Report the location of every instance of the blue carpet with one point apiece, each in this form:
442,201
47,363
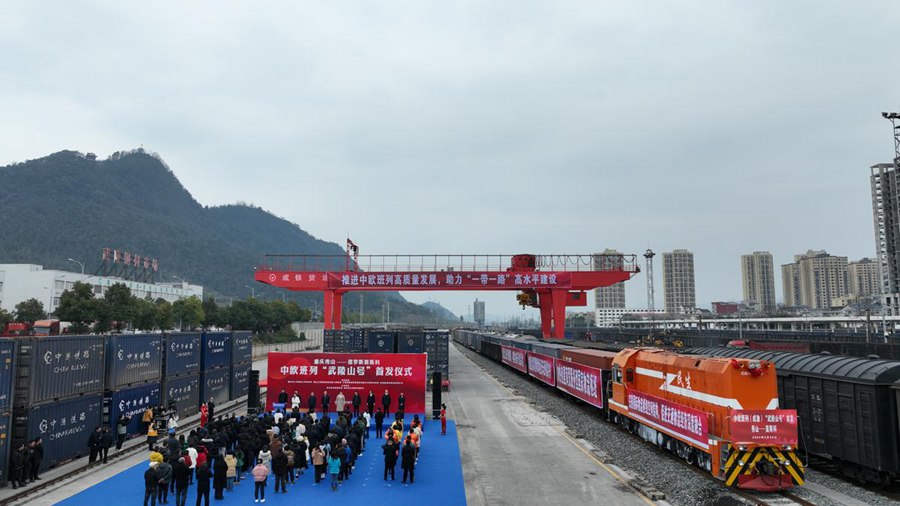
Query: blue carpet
439,481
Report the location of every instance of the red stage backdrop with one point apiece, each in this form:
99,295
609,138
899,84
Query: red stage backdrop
348,373
773,426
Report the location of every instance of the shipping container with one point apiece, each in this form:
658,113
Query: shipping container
242,348
215,383
132,402
182,353
64,427
7,376
328,341
216,350
411,342
597,359
380,341
59,367
549,349
184,393
132,358
240,380
5,445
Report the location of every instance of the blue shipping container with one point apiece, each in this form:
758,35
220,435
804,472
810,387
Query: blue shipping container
59,367
216,384
64,427
5,445
216,351
242,351
182,353
132,358
380,341
184,392
411,342
240,380
132,402
7,376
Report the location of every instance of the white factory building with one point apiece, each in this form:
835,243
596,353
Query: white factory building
614,316
20,282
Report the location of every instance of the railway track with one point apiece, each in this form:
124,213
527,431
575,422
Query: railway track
48,484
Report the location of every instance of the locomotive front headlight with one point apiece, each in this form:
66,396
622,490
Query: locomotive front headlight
787,447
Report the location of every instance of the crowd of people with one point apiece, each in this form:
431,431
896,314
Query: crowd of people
281,447
25,463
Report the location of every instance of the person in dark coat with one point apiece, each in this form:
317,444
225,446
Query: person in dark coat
37,456
370,402
220,477
379,422
326,402
151,482
203,476
357,400
17,467
181,474
94,445
121,430
280,470
164,470
106,442
311,403
283,398
390,458
211,407
401,403
408,460
386,402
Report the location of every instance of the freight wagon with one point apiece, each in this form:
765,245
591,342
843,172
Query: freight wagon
707,411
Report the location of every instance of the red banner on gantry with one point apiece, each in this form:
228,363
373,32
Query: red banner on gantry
758,426
514,358
348,373
541,367
580,381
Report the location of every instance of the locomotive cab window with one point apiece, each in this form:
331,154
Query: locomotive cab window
629,375
617,374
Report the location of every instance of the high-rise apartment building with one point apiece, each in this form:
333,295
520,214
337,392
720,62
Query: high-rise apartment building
815,279
885,182
865,279
612,296
758,276
678,281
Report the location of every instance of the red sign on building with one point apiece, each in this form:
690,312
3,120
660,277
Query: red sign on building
514,358
764,426
541,367
681,421
580,381
348,373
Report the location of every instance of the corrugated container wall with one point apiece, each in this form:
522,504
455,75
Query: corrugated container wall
184,391
64,427
216,350
242,349
411,342
380,341
7,376
240,380
182,353
132,358
216,384
132,402
5,445
52,368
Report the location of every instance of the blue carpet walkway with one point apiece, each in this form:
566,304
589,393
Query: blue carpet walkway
439,481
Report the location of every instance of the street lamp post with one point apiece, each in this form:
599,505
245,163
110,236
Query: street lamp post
80,264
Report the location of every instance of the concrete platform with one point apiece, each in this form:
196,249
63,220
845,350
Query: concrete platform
514,454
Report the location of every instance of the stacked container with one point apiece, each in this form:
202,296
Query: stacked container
437,344
7,375
241,363
58,393
215,366
133,377
380,341
181,372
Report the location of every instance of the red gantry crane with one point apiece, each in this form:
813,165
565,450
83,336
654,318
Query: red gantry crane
547,282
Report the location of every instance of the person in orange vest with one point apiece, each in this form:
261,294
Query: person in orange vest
147,419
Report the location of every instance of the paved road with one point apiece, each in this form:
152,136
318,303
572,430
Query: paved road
514,454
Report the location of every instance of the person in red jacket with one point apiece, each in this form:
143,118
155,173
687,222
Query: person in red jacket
204,415
443,419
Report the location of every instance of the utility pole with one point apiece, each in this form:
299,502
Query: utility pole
649,254
360,308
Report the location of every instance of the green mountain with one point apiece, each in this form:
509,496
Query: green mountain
71,205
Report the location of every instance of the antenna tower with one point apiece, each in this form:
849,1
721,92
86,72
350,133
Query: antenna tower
649,254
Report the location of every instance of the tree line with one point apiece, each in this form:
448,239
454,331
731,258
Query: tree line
120,310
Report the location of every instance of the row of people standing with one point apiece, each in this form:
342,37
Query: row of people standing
340,402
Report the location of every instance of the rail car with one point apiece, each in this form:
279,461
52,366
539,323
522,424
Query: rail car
848,407
718,414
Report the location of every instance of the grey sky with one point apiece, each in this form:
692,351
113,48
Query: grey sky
484,127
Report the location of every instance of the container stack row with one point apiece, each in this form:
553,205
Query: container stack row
433,342
61,388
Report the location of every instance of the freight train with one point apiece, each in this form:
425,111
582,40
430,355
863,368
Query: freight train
721,415
848,407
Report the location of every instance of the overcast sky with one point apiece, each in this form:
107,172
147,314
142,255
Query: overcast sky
484,127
